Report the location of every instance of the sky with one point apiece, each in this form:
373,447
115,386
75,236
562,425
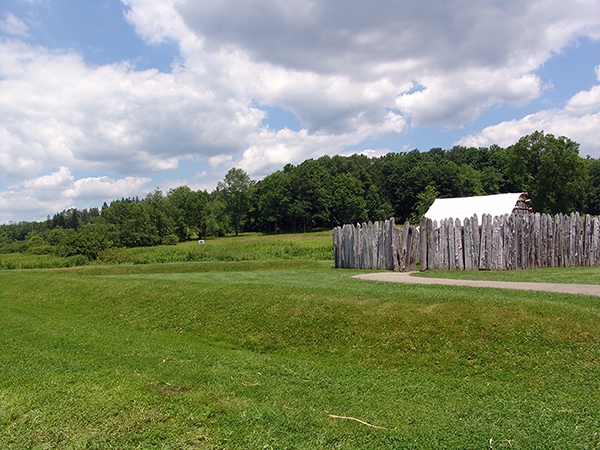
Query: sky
107,99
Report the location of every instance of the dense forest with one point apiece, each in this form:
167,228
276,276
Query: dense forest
325,192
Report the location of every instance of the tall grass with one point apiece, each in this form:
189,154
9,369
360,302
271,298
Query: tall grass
250,247
29,261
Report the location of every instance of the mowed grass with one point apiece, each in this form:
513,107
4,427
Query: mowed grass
570,275
261,354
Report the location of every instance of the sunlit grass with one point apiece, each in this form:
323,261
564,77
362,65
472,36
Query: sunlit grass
246,247
571,275
258,354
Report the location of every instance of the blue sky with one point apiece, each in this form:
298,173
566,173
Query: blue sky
109,99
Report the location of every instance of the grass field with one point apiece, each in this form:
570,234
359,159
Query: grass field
571,275
260,354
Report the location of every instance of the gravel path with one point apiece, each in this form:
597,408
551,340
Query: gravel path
404,277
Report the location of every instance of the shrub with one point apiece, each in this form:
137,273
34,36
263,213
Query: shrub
85,243
170,239
41,250
115,255
14,247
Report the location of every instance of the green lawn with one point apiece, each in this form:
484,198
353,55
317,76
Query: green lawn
260,354
573,275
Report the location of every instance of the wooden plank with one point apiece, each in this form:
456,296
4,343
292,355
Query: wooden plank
587,241
459,245
525,241
395,244
355,230
343,248
596,242
414,240
437,245
451,244
444,245
476,240
552,258
537,241
423,244
380,247
518,231
484,248
375,245
509,242
335,248
404,247
558,240
543,251
387,245
572,241
364,257
495,247
468,243
372,249
431,244
350,231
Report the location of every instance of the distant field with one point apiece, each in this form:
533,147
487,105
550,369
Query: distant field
246,247
275,353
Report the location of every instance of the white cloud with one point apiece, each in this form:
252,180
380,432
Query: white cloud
53,181
319,59
47,194
14,26
219,160
579,120
56,110
348,71
156,21
104,188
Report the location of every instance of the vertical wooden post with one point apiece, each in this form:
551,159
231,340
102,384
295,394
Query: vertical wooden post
395,238
485,243
468,244
451,244
459,245
431,244
414,243
579,239
423,244
596,242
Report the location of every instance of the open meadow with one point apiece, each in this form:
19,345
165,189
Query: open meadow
257,342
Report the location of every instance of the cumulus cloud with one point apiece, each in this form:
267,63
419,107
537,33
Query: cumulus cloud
55,110
270,150
105,188
348,70
465,58
14,26
579,120
59,190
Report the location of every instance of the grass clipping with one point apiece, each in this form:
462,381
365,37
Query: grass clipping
357,420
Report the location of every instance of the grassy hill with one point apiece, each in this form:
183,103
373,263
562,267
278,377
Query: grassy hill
279,352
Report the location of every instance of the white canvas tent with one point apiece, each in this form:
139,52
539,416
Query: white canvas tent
462,207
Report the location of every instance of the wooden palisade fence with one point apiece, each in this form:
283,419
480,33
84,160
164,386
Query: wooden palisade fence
379,245
509,242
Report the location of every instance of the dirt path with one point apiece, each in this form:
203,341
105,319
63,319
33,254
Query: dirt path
399,277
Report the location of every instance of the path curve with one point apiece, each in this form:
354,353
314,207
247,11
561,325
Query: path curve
404,277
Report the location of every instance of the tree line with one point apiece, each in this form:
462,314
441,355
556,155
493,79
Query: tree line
324,193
